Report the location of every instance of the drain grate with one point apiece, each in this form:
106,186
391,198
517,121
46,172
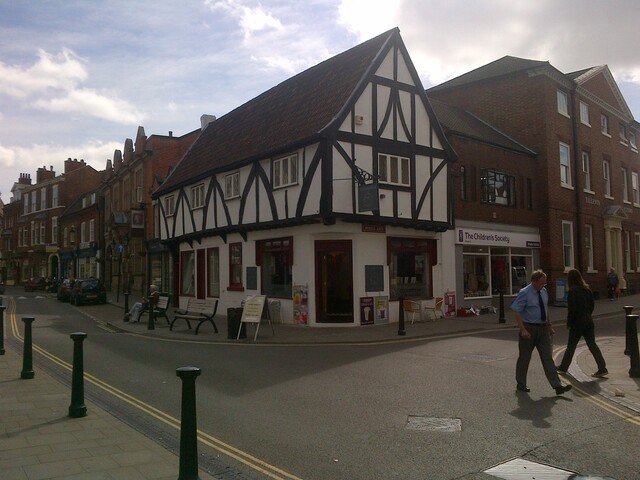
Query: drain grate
433,424
521,469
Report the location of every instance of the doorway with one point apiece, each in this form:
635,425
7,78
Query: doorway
334,281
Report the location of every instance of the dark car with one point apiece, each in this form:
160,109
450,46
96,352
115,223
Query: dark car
64,290
35,283
90,290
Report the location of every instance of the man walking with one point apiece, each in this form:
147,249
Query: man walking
535,331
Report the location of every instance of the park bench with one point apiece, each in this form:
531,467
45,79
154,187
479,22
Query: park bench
199,311
160,309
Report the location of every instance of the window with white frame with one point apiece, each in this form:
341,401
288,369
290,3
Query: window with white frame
232,185
169,205
565,167
563,103
285,171
604,124
627,251
606,175
393,169
197,196
637,243
92,230
567,244
586,170
625,185
43,233
43,198
25,205
54,230
632,140
498,188
588,245
33,201
34,232
634,188
623,134
584,114
54,196
83,232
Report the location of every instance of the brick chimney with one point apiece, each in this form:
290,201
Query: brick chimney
25,179
43,174
71,165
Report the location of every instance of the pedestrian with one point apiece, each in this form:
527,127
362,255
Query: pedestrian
612,284
580,323
144,304
535,331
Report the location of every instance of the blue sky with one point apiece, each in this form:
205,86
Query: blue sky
77,77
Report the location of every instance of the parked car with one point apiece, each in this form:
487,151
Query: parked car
64,289
90,290
35,283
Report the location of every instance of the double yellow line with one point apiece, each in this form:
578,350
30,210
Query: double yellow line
243,457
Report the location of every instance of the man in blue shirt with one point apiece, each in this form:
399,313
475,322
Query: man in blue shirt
530,307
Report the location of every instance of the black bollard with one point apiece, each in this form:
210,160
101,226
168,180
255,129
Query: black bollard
126,306
27,354
188,424
152,320
501,318
634,353
2,329
77,408
401,330
627,311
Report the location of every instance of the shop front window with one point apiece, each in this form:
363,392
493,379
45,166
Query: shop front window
509,268
476,272
410,263
276,259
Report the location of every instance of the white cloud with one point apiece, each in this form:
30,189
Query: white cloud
369,18
250,19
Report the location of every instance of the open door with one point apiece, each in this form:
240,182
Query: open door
334,281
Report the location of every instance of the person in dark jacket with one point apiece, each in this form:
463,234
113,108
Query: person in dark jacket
580,323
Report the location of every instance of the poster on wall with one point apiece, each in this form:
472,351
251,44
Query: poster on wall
300,304
449,304
382,309
366,311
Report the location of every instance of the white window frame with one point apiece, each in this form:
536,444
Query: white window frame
567,245
33,201
584,113
588,245
43,198
606,175
54,196
634,189
563,103
284,172
586,169
623,135
637,241
197,196
625,185
604,125
92,230
54,230
627,251
169,206
43,233
232,185
25,205
564,153
83,232
394,170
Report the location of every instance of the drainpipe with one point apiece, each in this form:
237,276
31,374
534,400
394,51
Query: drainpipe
577,168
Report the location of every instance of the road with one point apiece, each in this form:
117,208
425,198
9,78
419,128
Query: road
429,409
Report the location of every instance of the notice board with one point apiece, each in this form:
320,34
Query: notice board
253,309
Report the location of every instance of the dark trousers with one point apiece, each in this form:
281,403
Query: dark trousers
540,340
575,333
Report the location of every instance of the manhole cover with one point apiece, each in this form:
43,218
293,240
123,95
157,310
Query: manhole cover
433,424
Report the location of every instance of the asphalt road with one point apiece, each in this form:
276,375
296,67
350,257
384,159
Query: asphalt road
440,409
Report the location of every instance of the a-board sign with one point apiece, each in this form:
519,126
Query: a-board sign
373,278
253,308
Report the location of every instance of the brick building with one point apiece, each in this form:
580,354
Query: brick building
585,188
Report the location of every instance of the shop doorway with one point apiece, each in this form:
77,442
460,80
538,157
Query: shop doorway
334,281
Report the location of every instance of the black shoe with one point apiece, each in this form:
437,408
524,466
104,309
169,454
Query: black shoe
522,388
561,370
603,372
563,389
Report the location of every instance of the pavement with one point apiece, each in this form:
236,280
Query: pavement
38,440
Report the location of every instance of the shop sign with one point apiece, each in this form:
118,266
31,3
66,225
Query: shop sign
469,236
366,311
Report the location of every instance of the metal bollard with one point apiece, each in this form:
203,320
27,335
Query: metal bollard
501,318
2,309
152,320
126,306
77,408
632,338
401,330
627,311
27,352
188,424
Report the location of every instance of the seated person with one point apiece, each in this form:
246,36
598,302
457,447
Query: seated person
139,307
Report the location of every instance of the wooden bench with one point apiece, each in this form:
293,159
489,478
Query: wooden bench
160,309
199,311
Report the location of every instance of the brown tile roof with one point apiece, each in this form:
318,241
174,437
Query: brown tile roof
497,68
282,118
458,121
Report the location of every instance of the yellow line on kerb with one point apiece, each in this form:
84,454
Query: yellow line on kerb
206,439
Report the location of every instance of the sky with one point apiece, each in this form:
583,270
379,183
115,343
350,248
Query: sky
77,77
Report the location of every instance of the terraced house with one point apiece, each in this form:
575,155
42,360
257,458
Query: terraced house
328,193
